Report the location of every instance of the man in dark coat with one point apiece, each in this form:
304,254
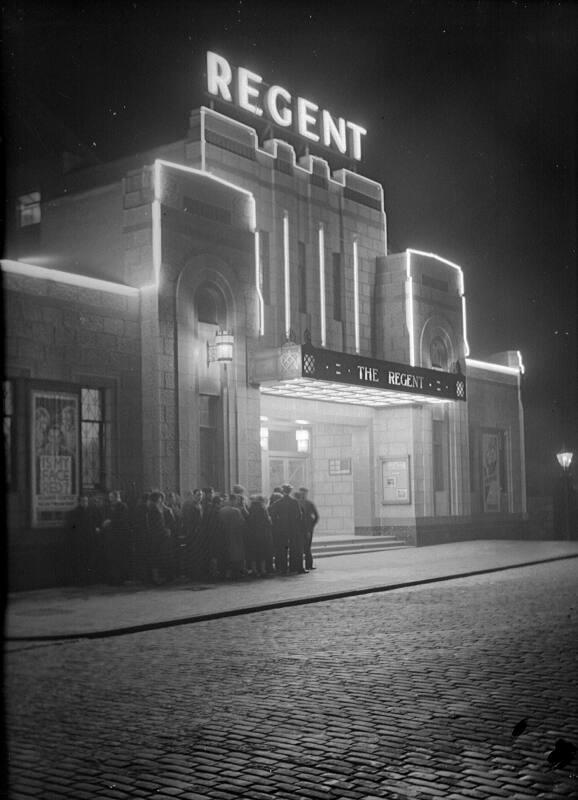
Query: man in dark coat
81,542
232,526
310,520
196,560
159,536
117,540
287,535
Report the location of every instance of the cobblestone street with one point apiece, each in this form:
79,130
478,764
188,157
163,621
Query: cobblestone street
402,695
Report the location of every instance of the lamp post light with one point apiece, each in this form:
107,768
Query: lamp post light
565,460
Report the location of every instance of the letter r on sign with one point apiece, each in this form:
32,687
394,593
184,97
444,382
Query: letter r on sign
219,76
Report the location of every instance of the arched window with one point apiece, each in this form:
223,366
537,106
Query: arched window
210,305
438,354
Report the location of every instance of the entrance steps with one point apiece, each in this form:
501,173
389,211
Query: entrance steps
346,544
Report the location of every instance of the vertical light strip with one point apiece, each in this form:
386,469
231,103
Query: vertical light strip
203,123
523,498
466,344
323,319
356,293
287,283
258,283
156,222
464,320
409,308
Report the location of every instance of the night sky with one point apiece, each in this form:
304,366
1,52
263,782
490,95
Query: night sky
470,110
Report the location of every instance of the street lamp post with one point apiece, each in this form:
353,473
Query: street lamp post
565,460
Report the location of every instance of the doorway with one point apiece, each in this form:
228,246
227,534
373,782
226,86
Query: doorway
287,469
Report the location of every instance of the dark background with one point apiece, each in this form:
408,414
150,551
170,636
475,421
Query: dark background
470,110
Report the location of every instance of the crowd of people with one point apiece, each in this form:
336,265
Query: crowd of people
206,535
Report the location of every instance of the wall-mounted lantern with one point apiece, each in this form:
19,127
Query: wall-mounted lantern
222,350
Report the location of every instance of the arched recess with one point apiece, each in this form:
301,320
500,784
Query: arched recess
437,346
205,302
438,350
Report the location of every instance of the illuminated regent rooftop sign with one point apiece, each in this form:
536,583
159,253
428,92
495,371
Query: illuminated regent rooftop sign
247,91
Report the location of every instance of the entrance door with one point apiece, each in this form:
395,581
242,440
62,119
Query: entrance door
287,469
441,471
210,439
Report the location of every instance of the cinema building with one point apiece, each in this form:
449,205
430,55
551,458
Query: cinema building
224,310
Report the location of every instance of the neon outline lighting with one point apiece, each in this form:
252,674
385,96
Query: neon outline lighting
71,278
356,294
298,112
337,178
156,217
322,310
260,300
156,223
410,316
409,308
286,273
492,367
521,363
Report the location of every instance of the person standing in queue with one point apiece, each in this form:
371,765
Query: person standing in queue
81,542
159,534
286,517
196,566
117,540
233,525
310,520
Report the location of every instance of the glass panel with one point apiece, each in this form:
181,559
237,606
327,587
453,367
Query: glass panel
91,404
491,471
91,454
296,472
282,440
276,472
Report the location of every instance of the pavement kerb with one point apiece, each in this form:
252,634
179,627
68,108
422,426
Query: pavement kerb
236,612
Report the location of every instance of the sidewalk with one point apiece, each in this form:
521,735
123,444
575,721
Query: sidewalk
105,610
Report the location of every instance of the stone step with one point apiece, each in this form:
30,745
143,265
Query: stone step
342,546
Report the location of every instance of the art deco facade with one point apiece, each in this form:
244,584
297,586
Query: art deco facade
350,368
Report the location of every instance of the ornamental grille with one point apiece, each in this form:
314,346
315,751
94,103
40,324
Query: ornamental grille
308,364
460,389
290,359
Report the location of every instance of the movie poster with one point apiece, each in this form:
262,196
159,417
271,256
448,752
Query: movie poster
54,456
491,471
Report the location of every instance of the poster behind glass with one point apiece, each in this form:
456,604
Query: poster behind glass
54,456
491,471
395,481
